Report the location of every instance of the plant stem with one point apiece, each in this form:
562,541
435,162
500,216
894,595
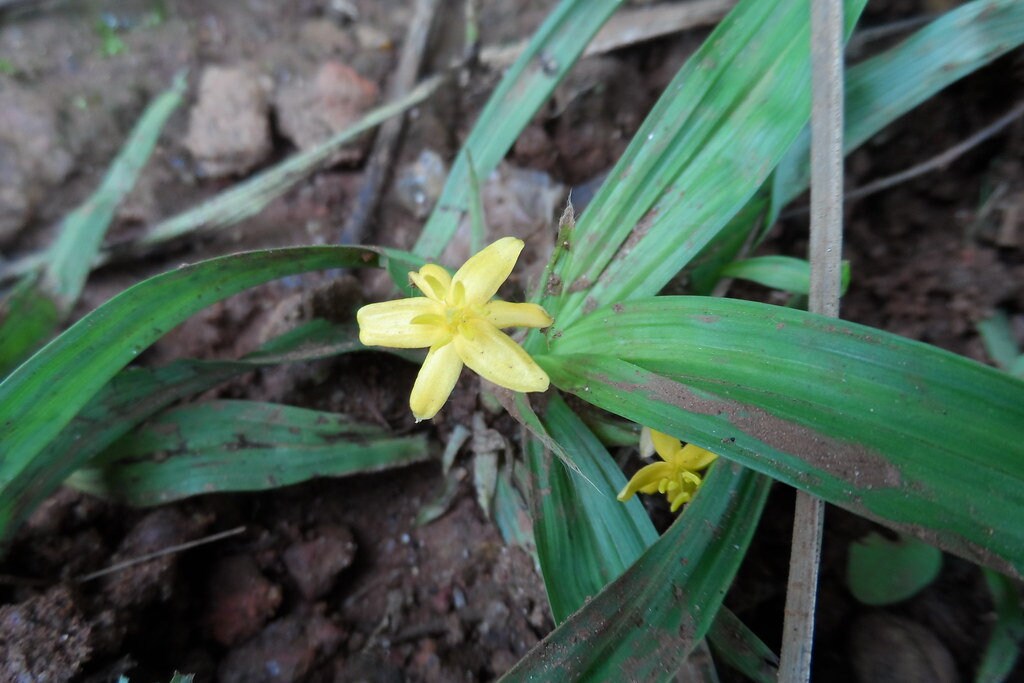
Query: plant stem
826,273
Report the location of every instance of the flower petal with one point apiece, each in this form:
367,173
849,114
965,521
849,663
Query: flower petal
693,457
490,353
646,443
504,314
484,272
665,445
647,480
435,382
433,280
390,324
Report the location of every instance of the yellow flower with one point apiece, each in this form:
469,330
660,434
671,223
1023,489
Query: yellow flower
458,319
676,476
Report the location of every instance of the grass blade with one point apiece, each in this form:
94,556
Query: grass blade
704,150
674,590
585,537
27,318
552,51
922,440
220,446
881,89
779,272
42,396
1007,637
81,233
32,310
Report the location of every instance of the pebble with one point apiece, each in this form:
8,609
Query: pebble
229,126
315,564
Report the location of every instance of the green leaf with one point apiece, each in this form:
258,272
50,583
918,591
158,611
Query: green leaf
248,197
43,395
82,231
32,310
1007,637
710,142
526,85
136,393
27,318
920,439
881,89
779,272
673,591
588,538
251,196
999,341
738,646
585,537
219,446
880,571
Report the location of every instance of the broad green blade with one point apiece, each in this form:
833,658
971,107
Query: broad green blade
136,393
881,89
42,396
779,272
878,91
219,446
673,590
712,139
527,84
81,232
585,537
895,430
27,318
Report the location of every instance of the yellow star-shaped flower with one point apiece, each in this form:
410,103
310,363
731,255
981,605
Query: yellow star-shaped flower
676,476
461,322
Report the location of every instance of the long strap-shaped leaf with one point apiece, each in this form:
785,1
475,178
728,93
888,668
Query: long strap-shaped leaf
918,438
883,88
586,538
552,51
219,446
136,393
685,567
42,396
722,125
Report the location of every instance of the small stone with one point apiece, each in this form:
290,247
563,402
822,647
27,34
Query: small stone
152,580
33,156
310,111
284,651
888,649
420,183
316,563
241,600
228,128
44,638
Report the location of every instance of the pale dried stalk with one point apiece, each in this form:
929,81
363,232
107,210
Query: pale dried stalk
825,256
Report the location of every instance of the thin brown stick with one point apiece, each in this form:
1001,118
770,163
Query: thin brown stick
170,550
940,160
628,27
825,256
386,144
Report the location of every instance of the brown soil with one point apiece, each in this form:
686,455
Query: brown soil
333,580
